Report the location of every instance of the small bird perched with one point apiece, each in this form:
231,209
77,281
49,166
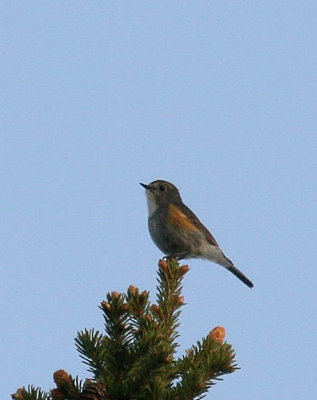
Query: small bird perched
178,233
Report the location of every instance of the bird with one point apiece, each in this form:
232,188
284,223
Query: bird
178,233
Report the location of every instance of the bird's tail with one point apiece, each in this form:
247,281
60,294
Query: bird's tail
230,267
240,275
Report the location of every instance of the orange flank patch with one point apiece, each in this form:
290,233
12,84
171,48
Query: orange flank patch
176,217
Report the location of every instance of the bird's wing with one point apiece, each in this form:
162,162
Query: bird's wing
184,217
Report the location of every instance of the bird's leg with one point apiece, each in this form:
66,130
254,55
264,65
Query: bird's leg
177,256
181,256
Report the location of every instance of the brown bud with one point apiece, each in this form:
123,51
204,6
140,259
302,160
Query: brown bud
169,359
124,306
57,394
144,294
115,295
156,310
105,305
180,300
94,391
19,394
133,290
61,377
163,265
218,333
184,269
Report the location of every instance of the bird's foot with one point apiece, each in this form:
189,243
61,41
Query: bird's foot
177,257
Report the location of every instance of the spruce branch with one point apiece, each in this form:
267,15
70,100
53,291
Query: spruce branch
92,347
30,393
204,363
135,357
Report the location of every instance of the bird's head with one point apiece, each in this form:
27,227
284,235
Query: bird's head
160,193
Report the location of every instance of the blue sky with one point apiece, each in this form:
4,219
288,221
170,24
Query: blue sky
218,98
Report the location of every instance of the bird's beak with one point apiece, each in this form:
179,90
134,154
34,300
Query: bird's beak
146,187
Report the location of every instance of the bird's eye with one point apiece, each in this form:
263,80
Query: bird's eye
161,188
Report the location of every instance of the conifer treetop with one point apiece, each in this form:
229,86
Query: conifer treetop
135,357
